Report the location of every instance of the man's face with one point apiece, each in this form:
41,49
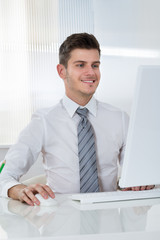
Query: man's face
82,74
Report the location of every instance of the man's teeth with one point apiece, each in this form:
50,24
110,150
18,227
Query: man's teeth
89,81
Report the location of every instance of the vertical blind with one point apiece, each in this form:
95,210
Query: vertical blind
31,32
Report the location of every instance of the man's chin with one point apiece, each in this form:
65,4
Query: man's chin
88,94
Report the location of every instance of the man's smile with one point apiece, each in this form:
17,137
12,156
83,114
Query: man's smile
88,81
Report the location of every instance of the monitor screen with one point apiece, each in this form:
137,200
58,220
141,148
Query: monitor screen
141,165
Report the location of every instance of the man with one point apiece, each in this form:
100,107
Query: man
53,131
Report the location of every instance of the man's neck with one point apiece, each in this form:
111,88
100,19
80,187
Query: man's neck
80,101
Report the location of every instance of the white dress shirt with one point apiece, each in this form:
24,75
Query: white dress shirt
53,131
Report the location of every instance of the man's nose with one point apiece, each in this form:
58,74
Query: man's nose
89,70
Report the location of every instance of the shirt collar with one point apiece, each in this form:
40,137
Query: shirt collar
72,106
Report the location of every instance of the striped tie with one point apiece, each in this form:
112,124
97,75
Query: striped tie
87,154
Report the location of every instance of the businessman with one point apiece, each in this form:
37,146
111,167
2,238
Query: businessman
81,139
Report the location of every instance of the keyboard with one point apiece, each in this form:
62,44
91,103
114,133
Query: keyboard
100,197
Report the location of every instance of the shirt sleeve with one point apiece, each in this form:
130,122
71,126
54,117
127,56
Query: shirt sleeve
22,155
125,124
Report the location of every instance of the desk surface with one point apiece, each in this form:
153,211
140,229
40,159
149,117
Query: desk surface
121,220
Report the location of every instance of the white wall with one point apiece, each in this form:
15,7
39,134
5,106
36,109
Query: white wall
128,31
3,151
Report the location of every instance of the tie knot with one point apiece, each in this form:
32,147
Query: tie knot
82,112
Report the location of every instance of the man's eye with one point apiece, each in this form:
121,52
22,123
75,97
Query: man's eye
80,65
95,65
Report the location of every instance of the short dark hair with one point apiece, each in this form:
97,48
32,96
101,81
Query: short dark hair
74,41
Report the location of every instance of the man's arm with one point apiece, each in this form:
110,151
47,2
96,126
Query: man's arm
26,194
20,157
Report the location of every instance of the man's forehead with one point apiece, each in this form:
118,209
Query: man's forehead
84,55
83,50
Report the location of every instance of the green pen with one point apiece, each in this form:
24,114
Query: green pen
2,166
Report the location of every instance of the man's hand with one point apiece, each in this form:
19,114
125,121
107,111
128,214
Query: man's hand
27,193
140,188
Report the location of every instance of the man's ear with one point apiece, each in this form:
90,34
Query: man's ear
61,71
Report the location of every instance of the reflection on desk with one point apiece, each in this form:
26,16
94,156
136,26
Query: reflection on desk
19,220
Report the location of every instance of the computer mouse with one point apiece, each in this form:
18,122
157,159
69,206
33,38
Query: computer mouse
46,202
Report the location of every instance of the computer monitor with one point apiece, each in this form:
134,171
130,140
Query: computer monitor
141,164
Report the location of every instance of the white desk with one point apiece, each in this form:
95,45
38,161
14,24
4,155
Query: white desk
122,220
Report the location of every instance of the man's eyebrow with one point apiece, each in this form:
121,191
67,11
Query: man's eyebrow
77,61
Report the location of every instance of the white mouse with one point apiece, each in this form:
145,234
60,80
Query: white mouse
46,202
